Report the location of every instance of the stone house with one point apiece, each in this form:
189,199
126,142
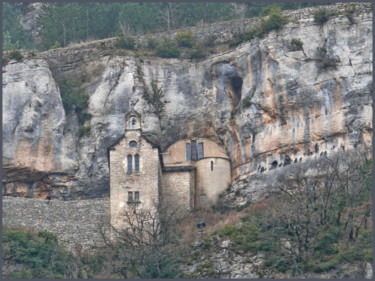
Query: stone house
189,174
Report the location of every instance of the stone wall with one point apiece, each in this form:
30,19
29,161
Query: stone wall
176,153
145,181
178,190
211,181
75,222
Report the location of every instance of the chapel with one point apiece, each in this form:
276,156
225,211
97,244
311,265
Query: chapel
190,173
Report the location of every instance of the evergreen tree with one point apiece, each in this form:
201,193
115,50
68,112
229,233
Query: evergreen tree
14,35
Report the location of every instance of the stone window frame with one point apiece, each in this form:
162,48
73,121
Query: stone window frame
129,168
131,119
189,150
133,197
136,163
134,168
133,144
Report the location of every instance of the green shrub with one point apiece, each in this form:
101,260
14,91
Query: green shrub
209,41
56,45
246,102
74,97
238,39
84,131
39,252
32,54
196,53
274,22
151,43
221,208
325,266
325,59
49,238
185,39
23,274
207,243
229,230
349,12
296,44
327,243
167,49
15,54
125,42
321,16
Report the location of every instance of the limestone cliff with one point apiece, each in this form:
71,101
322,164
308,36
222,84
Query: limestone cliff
266,103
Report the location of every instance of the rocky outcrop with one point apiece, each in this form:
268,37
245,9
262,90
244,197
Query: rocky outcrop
266,103
216,258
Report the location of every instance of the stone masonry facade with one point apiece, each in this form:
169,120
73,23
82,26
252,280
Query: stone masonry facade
76,222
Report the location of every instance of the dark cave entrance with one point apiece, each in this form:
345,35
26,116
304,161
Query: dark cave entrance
235,88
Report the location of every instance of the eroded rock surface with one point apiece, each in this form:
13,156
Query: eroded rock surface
267,104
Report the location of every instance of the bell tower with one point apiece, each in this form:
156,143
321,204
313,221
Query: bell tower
135,172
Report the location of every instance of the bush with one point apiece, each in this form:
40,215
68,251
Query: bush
229,230
296,44
39,252
185,39
15,54
321,16
84,131
196,53
349,12
151,43
209,41
23,274
56,45
275,21
246,102
125,42
168,49
74,97
325,59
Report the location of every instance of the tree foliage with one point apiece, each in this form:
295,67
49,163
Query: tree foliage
40,252
74,98
72,22
14,35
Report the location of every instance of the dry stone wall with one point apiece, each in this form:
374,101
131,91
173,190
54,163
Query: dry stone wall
76,222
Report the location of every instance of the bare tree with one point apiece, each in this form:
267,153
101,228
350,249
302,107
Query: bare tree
146,247
168,15
315,200
239,11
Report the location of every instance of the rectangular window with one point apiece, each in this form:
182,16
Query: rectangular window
136,164
130,196
212,165
130,163
137,196
194,154
188,152
200,150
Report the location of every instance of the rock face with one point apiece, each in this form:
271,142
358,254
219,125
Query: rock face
266,103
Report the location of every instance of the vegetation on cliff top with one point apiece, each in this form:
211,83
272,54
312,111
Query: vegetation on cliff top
74,22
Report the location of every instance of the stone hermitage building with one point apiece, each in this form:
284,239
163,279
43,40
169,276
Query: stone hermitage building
191,173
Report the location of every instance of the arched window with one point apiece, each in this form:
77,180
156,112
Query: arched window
133,144
136,162
130,163
133,122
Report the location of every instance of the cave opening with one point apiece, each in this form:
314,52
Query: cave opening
236,83
274,165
